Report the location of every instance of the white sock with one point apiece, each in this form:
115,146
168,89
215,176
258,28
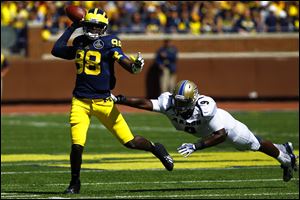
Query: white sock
284,158
280,147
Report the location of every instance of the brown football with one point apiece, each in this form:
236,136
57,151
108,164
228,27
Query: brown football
75,13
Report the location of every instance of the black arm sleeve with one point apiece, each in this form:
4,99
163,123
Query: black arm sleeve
60,48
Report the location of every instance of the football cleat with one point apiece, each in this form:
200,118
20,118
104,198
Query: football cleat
288,170
74,188
161,153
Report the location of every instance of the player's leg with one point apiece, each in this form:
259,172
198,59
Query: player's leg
113,120
141,143
244,139
173,81
284,154
79,120
164,79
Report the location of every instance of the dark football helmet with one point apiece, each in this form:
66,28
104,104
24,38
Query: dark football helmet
95,23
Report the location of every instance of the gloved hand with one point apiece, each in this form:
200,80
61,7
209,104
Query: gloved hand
119,99
186,149
138,63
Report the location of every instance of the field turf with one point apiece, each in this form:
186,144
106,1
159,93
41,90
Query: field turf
35,161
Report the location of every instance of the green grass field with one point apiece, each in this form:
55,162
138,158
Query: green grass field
35,161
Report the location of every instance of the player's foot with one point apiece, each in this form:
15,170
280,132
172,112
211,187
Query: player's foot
288,170
161,153
73,188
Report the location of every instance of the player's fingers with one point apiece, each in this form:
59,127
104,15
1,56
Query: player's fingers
180,151
183,151
179,148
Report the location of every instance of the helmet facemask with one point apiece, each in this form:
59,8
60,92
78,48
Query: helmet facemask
94,30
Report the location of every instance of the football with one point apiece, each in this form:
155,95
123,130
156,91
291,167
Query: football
75,13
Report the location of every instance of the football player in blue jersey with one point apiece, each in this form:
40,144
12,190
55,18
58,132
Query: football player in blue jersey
95,53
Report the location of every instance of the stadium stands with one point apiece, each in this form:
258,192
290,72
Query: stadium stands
155,17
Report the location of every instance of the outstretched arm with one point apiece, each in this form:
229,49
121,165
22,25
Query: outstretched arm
216,138
60,48
135,102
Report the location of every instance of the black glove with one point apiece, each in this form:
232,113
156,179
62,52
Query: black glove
119,99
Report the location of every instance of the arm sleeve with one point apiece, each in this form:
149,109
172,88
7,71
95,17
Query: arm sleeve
162,103
118,54
155,105
61,49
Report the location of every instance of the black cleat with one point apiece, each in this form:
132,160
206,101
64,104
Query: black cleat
161,153
288,170
73,188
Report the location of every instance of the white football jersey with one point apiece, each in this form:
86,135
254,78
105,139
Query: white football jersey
206,118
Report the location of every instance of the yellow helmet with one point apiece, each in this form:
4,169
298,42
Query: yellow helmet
185,95
95,23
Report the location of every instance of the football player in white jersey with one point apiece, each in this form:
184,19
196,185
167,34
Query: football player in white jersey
199,115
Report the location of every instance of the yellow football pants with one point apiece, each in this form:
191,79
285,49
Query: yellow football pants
105,111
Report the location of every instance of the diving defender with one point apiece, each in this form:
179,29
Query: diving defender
199,115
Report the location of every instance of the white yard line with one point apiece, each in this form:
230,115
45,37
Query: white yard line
99,170
161,182
161,196
186,196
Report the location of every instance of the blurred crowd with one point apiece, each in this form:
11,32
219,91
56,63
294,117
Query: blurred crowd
152,17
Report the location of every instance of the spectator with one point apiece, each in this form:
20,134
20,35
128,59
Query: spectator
208,23
4,70
20,26
225,23
246,24
172,22
137,25
195,25
152,22
166,58
271,22
183,26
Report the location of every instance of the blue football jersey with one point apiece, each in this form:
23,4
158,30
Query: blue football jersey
94,61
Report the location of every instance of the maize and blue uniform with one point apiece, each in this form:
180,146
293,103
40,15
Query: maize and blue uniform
94,60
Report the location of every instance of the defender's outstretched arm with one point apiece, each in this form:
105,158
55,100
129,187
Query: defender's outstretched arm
135,102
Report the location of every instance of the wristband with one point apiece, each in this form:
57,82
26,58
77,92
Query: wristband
200,145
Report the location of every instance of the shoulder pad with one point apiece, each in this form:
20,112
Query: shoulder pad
207,106
112,41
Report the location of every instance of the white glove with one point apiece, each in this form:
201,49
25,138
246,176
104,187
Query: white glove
114,98
186,149
119,99
139,62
